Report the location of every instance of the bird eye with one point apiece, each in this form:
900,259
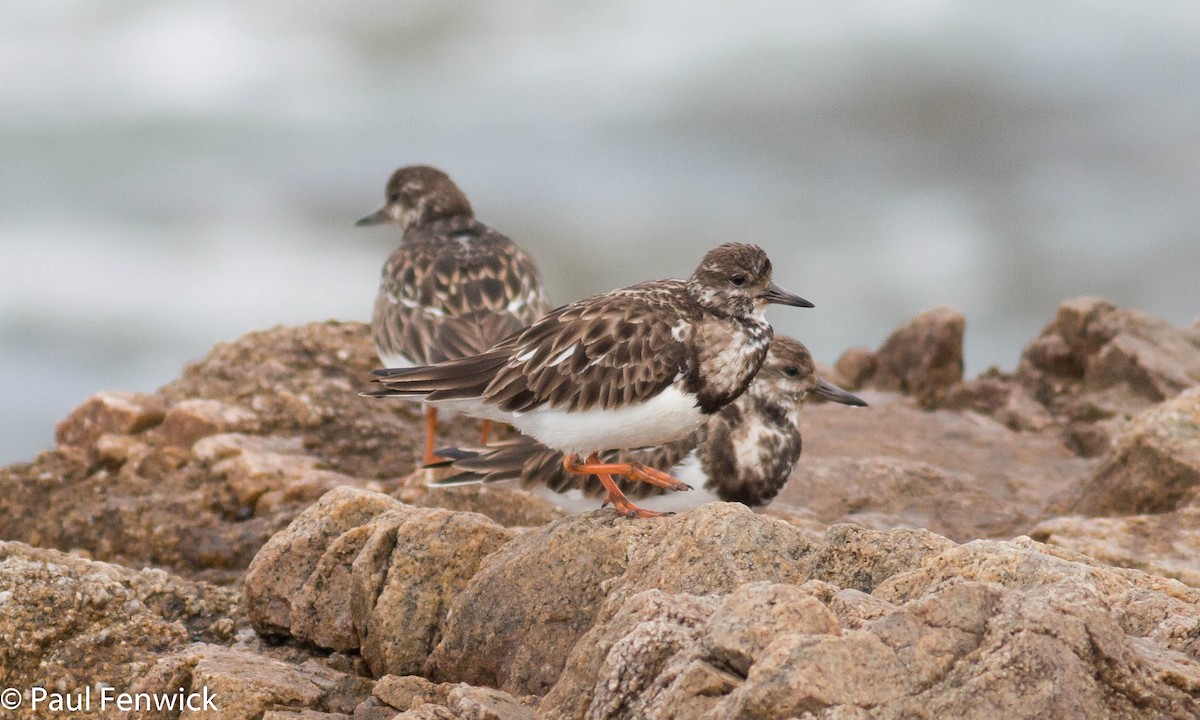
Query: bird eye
791,371
737,280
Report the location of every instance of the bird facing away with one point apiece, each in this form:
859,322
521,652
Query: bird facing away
453,288
744,453
634,367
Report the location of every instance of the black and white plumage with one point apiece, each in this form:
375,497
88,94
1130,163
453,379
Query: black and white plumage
744,453
454,287
639,366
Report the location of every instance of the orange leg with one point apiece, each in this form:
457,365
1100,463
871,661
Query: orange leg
430,435
637,471
485,429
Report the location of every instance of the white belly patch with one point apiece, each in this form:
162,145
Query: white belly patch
667,416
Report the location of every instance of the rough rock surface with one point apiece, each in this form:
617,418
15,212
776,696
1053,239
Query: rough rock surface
1150,483
1096,365
362,571
1153,465
377,597
924,358
988,629
196,477
960,474
1167,544
68,622
1092,346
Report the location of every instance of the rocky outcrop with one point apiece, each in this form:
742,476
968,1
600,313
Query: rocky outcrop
1153,465
69,623
1092,346
894,465
196,477
303,570
980,630
1150,483
360,571
1092,368
719,612
923,358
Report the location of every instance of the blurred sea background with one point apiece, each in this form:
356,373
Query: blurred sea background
178,172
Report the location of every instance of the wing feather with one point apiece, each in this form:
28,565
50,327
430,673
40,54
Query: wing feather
455,287
608,351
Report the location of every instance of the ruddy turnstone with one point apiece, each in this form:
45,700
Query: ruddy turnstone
744,453
639,366
454,288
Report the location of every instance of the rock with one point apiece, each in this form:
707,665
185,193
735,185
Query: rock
713,549
1095,365
1167,544
850,556
883,493
854,367
304,381
475,703
363,571
530,602
406,578
272,475
754,615
620,667
958,473
56,611
121,413
1079,666
303,715
189,420
981,630
375,709
1145,606
1154,464
424,712
924,358
508,506
243,685
1001,397
459,701
1091,345
196,477
409,691
515,622
277,578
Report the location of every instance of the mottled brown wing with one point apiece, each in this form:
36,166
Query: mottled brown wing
755,480
454,288
608,351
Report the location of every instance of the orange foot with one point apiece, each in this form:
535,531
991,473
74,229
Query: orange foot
637,471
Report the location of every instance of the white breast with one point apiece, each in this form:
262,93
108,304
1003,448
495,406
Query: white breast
668,416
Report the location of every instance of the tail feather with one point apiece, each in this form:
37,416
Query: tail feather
450,380
497,463
463,478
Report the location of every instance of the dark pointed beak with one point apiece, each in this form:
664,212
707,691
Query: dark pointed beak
379,216
829,391
779,296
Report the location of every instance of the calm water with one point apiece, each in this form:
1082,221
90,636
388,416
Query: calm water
177,173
